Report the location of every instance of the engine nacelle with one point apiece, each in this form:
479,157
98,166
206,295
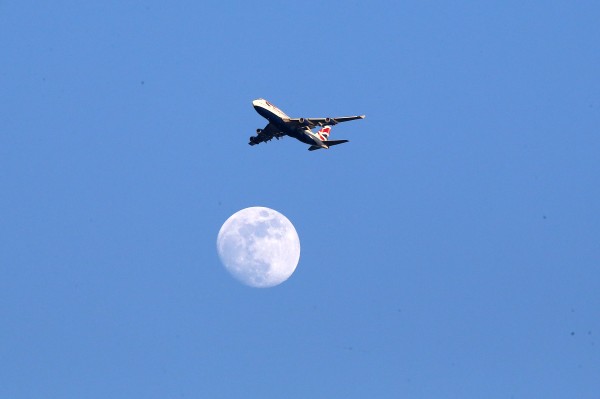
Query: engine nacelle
329,121
258,131
304,122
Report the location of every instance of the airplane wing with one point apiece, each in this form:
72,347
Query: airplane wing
266,134
312,122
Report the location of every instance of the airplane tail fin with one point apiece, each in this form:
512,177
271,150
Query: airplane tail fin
323,134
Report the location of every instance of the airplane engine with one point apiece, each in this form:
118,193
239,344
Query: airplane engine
258,131
304,122
328,121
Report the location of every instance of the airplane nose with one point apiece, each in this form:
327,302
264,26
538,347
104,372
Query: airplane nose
259,106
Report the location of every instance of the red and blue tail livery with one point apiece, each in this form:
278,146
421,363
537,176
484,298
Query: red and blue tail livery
299,128
323,134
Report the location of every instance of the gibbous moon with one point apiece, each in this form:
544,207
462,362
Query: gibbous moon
259,247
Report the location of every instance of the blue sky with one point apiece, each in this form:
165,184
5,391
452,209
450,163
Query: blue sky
451,249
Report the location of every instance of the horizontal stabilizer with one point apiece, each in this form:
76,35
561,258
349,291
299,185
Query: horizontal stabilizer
328,143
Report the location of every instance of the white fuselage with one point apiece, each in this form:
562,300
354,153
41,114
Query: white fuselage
269,111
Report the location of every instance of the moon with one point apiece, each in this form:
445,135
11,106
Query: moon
259,247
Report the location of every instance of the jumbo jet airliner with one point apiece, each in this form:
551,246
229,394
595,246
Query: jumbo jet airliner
299,128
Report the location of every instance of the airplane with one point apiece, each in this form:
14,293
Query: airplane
299,128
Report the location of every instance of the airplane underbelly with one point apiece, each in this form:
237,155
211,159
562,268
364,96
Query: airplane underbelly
299,135
292,131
